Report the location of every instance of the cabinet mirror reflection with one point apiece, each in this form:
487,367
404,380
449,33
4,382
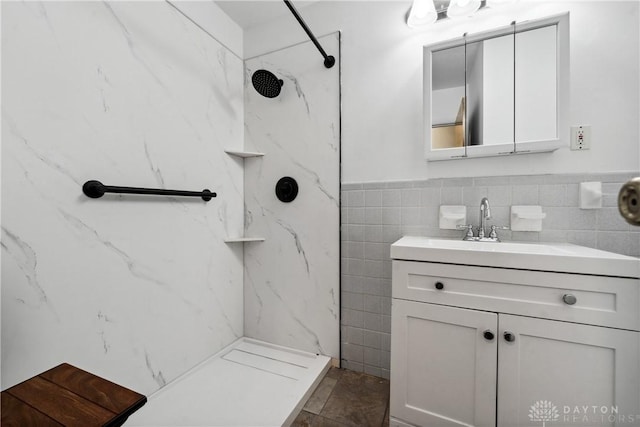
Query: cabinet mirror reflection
497,93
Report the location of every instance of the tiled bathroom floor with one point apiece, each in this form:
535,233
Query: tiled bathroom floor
347,398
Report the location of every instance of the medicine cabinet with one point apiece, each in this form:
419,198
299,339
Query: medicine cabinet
498,92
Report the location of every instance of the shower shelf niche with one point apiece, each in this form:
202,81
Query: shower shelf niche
244,239
243,154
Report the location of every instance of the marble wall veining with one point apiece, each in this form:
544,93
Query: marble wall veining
136,289
292,278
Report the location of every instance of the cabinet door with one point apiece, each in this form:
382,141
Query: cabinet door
443,369
566,373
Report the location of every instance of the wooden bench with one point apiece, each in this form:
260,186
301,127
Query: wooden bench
68,396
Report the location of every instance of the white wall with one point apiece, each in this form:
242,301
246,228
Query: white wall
382,85
135,289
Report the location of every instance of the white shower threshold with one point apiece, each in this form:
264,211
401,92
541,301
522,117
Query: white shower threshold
250,383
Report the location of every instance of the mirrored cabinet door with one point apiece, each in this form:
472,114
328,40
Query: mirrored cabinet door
536,84
448,102
499,92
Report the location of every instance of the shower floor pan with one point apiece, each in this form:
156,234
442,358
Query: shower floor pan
248,384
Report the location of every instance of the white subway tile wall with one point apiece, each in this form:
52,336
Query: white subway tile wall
374,215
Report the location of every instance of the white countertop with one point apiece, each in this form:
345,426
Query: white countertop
559,257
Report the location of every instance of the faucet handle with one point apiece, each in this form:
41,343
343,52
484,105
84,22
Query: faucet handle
469,234
499,227
494,234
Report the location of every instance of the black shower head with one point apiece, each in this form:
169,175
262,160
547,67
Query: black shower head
266,83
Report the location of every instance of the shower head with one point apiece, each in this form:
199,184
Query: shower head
266,83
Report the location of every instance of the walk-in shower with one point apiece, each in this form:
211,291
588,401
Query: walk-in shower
111,284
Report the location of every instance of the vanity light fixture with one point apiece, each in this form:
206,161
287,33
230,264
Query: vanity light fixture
462,8
498,3
422,13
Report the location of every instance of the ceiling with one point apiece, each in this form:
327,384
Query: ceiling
250,13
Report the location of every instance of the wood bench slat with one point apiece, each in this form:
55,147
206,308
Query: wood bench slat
96,389
16,413
61,404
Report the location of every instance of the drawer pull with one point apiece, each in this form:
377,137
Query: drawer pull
569,299
439,286
509,337
488,335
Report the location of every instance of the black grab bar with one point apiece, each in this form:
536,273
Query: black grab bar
329,61
95,190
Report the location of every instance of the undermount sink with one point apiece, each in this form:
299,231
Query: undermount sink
560,257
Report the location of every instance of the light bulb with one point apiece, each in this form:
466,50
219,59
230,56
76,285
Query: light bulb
422,13
497,3
420,10
461,8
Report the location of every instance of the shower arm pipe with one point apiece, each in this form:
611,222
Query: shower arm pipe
95,190
329,60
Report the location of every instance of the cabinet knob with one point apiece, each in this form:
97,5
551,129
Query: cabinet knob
439,286
488,335
569,299
509,337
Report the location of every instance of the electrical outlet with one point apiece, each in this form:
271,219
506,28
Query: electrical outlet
580,138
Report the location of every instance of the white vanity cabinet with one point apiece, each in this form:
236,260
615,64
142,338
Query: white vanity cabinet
569,364
494,346
443,373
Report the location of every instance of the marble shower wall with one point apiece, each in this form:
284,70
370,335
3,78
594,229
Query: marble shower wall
292,278
136,289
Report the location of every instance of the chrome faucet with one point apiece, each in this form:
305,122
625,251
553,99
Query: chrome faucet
485,214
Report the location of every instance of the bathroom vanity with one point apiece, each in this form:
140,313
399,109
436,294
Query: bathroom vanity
513,334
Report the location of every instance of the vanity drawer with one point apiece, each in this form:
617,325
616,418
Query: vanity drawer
599,300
